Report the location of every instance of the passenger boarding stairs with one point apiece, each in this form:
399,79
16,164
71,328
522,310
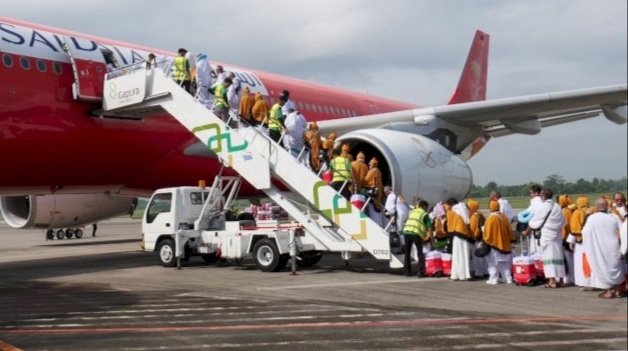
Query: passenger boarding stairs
341,227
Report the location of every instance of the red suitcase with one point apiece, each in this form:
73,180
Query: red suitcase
523,268
523,271
433,264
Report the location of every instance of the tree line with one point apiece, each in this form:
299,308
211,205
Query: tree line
557,183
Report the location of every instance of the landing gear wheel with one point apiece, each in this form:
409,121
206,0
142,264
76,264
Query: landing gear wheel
69,233
60,234
267,257
310,258
78,233
166,252
209,258
50,234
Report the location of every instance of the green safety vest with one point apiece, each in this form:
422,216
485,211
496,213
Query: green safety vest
275,118
180,69
341,168
416,223
220,96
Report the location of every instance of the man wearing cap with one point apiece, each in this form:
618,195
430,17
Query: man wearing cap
221,104
276,119
289,105
418,228
181,70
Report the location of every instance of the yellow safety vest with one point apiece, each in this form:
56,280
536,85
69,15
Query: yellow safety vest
341,169
220,96
274,121
416,223
180,69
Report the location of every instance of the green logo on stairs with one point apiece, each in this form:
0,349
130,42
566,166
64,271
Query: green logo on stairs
218,137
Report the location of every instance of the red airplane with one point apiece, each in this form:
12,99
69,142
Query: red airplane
65,163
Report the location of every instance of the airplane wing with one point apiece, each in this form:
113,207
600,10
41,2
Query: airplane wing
524,114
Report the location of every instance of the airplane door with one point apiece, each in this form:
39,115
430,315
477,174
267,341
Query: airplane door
88,64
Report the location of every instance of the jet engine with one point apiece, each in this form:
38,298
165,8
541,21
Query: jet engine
62,210
413,164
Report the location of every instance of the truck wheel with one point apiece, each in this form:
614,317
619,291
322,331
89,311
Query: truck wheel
309,258
209,258
166,252
50,234
69,233
60,234
266,256
78,233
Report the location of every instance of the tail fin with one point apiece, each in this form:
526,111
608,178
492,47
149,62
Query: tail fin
472,84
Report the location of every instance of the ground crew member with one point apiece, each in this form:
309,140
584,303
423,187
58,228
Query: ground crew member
276,119
341,171
181,70
417,229
221,105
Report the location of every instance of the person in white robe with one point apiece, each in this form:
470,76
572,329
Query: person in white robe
296,125
548,217
203,81
458,226
602,246
535,200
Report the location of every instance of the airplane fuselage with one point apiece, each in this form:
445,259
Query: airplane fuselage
53,143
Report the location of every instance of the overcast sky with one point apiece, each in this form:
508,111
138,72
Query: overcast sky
403,49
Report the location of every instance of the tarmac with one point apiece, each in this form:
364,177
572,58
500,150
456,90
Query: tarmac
103,293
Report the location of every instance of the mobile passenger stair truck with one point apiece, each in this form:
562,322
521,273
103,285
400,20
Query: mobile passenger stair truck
175,227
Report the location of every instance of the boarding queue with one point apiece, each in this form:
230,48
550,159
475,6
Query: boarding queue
562,242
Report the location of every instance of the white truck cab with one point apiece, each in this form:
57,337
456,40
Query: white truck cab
170,209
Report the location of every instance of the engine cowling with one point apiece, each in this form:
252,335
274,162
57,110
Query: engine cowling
413,164
61,211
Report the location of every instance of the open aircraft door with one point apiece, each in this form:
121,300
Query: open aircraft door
89,66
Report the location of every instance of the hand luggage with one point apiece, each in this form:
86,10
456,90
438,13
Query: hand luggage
523,267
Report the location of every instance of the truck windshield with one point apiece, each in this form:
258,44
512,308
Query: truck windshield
197,197
159,204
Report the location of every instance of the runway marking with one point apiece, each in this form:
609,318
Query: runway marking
7,347
274,344
198,321
224,314
77,328
370,282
